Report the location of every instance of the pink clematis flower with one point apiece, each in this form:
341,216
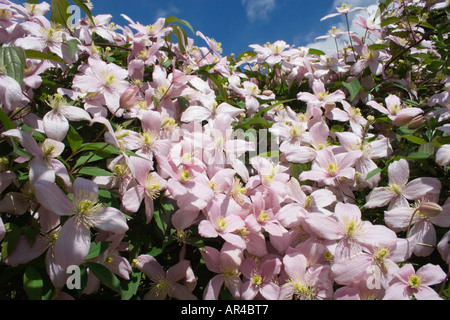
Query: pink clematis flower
176,282
24,252
84,212
11,95
400,190
222,221
395,110
226,264
106,80
323,99
56,121
305,282
344,9
43,164
147,188
427,214
409,283
352,233
261,277
329,168
376,149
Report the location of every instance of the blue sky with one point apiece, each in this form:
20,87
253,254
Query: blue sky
237,23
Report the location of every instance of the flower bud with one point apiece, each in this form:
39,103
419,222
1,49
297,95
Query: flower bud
130,98
429,209
416,122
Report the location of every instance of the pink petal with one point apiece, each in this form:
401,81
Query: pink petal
56,125
73,243
431,274
178,271
52,198
324,226
419,187
132,198
150,267
379,197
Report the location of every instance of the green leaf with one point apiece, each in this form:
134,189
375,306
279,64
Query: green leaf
73,47
427,148
100,146
32,283
75,139
59,12
417,156
353,87
440,141
85,8
97,248
373,172
246,55
298,168
87,158
389,20
34,54
11,239
181,37
7,123
172,19
415,139
378,46
132,285
94,171
105,276
13,62
316,52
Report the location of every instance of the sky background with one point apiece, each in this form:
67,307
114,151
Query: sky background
238,23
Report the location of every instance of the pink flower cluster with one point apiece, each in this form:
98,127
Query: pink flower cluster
277,235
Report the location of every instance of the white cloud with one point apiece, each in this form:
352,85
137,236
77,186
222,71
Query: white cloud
258,9
164,13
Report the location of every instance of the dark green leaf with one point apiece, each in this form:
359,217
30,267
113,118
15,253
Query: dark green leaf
11,239
378,46
85,8
441,141
105,276
97,248
59,12
172,19
132,285
7,123
373,172
417,156
34,54
415,140
353,87
32,283
75,139
94,171
13,62
298,168
389,20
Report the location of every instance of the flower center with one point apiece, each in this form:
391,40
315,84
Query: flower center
152,187
414,282
257,280
397,189
221,224
332,169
